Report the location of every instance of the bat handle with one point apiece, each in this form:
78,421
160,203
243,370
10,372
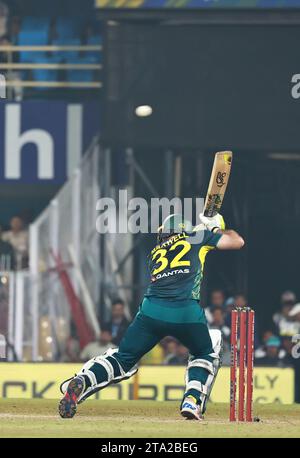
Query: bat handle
209,214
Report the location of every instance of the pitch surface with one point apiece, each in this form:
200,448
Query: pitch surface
39,418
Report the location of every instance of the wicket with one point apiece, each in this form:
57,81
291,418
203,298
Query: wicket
242,323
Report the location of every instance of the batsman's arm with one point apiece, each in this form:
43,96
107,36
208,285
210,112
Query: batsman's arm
230,240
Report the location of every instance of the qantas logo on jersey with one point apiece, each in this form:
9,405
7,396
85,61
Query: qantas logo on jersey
171,273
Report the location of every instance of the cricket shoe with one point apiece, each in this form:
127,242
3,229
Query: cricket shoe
190,410
68,405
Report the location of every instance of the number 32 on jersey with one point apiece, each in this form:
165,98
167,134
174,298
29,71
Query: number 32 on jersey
164,257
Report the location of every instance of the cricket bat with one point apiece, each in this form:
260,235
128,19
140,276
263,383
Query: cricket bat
218,183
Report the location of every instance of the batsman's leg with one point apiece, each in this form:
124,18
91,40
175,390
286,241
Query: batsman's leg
205,348
112,367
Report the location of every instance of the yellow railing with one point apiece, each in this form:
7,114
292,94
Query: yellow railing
10,66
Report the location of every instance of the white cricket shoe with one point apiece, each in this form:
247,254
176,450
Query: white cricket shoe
190,410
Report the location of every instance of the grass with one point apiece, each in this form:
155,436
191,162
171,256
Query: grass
150,419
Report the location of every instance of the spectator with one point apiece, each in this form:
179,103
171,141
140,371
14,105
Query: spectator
218,315
18,238
86,34
119,322
180,357
71,350
4,15
9,39
240,300
260,352
292,361
287,345
170,348
284,323
14,30
218,322
294,315
217,299
273,356
7,258
229,305
98,347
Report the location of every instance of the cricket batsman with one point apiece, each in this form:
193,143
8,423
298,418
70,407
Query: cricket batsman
170,308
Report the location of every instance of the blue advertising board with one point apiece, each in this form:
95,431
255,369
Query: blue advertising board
43,141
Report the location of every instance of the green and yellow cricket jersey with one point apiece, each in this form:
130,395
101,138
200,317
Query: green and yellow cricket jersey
176,266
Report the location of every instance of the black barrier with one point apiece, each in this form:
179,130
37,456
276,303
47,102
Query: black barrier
209,85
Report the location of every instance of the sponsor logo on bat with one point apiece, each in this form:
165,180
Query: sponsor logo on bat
220,180
214,203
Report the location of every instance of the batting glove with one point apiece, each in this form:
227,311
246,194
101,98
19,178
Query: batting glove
213,223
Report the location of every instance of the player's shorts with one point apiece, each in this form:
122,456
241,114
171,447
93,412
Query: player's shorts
146,332
173,311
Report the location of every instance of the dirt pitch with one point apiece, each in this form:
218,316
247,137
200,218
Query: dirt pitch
39,418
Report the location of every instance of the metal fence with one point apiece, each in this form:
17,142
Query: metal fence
74,271
25,331
66,230
16,316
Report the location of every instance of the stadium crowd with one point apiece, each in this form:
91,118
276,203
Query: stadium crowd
14,245
273,346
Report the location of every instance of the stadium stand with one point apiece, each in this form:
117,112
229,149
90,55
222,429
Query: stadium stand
57,65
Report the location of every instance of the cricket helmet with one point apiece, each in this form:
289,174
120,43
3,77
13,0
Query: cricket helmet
173,224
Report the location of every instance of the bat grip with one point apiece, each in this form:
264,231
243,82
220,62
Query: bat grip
209,214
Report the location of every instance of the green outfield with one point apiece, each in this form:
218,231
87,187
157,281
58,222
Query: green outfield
38,418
